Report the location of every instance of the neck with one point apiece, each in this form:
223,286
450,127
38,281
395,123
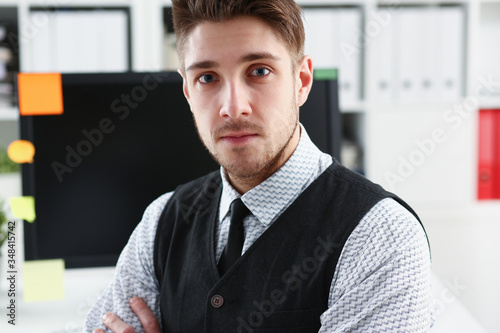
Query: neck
245,184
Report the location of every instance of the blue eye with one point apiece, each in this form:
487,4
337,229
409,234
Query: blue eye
260,72
207,78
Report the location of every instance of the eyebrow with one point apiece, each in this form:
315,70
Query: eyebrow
246,58
202,65
258,56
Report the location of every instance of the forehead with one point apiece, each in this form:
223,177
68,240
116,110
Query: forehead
228,38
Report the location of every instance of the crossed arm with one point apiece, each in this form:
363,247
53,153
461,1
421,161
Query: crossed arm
143,312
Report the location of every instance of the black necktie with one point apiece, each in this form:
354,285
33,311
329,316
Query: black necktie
232,251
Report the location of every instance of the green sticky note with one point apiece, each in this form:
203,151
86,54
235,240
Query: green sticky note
23,208
43,280
325,74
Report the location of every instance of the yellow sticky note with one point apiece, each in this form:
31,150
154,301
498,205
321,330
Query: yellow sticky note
21,151
43,280
23,208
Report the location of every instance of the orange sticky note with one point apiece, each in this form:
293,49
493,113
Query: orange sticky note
40,94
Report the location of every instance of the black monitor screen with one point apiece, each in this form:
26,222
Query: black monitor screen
122,141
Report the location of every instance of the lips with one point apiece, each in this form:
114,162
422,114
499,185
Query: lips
237,132
237,137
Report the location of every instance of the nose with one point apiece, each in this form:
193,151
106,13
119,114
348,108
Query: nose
235,100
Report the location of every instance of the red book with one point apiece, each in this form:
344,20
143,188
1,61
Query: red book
489,155
496,154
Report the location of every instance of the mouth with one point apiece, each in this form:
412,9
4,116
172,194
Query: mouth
238,137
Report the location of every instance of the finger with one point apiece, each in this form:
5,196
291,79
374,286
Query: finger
98,330
145,315
114,323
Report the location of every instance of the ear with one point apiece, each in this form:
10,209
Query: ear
184,85
304,80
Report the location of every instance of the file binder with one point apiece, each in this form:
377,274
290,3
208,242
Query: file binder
451,25
333,41
382,86
489,54
409,53
80,40
350,63
488,182
427,80
322,37
419,55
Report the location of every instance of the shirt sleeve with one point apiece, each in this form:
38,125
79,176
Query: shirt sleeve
134,274
382,279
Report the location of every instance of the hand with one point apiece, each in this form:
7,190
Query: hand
143,312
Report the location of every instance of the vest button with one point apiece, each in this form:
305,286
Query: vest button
217,301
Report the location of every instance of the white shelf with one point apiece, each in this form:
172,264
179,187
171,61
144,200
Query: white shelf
493,103
9,114
353,107
402,107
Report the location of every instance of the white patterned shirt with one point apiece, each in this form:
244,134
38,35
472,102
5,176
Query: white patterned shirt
381,282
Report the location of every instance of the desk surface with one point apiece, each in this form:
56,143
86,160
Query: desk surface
83,286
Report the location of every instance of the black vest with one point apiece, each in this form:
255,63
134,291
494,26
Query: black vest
282,282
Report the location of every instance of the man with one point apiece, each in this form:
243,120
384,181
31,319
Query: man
322,249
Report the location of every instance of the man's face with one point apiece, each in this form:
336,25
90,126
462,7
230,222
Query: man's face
244,95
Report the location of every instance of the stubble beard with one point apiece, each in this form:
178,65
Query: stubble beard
259,169
252,169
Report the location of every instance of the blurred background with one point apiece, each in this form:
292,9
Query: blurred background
419,92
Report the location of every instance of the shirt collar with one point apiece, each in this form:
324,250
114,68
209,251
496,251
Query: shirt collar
275,194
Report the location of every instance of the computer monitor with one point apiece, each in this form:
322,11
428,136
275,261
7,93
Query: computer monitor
123,140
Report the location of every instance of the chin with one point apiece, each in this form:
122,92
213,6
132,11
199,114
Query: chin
248,165
252,169
242,170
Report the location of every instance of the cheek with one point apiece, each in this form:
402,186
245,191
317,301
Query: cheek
201,123
205,104
271,100
282,102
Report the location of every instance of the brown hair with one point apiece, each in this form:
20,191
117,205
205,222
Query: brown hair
283,16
